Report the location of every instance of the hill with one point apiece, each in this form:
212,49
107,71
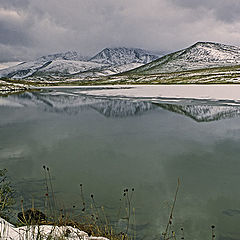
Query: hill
201,55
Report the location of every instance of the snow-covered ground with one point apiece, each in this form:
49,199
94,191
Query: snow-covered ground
44,232
210,92
12,87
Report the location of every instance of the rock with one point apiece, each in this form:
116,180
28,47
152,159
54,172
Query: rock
31,216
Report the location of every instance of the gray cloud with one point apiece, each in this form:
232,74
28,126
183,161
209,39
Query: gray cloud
226,11
14,4
13,33
34,28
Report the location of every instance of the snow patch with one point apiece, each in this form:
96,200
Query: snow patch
10,232
212,92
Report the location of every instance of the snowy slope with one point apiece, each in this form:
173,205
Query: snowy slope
50,67
70,67
200,55
122,55
111,70
23,70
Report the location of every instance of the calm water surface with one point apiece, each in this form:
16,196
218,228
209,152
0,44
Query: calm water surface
110,144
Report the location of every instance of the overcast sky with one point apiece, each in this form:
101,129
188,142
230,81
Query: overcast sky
31,28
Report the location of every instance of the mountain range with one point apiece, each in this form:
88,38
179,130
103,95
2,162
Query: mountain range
72,64
135,65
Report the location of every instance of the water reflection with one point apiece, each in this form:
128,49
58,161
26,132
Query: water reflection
67,132
64,102
231,212
74,103
203,113
121,108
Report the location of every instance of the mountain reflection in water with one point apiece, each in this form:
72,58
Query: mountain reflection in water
72,103
203,113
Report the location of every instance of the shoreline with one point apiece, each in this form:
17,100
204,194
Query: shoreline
216,92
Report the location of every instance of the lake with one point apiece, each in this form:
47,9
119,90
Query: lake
112,143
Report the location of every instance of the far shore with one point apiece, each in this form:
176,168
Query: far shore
216,92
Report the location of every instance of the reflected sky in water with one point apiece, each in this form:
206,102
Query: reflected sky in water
111,144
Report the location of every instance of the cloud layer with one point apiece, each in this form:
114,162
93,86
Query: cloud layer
33,28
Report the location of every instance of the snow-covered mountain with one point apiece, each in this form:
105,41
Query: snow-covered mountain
72,64
122,55
198,56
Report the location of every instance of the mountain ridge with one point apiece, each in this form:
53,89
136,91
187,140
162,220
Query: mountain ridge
73,63
123,55
197,56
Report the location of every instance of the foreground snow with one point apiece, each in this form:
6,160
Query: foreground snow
209,92
10,232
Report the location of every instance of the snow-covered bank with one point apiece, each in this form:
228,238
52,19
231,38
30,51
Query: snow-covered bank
44,232
210,92
6,87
